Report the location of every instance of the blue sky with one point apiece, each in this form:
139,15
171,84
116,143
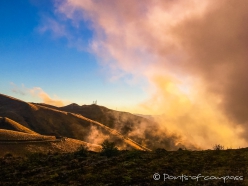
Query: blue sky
31,56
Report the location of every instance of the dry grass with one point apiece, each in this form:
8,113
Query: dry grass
126,168
14,135
23,149
78,143
6,123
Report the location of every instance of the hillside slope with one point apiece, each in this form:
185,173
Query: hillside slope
24,148
47,120
142,130
24,141
10,135
8,124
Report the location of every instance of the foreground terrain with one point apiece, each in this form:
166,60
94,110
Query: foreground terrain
126,168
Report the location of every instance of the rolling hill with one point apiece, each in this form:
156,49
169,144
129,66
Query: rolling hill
89,123
47,120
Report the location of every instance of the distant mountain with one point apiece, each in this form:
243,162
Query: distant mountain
150,117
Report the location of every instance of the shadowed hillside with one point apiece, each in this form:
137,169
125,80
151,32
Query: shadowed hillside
142,130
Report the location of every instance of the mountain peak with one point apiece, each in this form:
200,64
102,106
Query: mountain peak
73,105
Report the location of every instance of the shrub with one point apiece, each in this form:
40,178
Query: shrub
160,151
218,147
8,155
35,156
82,151
109,149
133,154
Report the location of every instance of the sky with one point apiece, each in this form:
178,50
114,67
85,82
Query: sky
184,61
40,62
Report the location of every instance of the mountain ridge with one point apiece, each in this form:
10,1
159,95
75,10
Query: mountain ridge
90,123
46,119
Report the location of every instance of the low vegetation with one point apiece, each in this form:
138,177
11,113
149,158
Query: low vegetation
134,167
109,149
218,147
83,151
